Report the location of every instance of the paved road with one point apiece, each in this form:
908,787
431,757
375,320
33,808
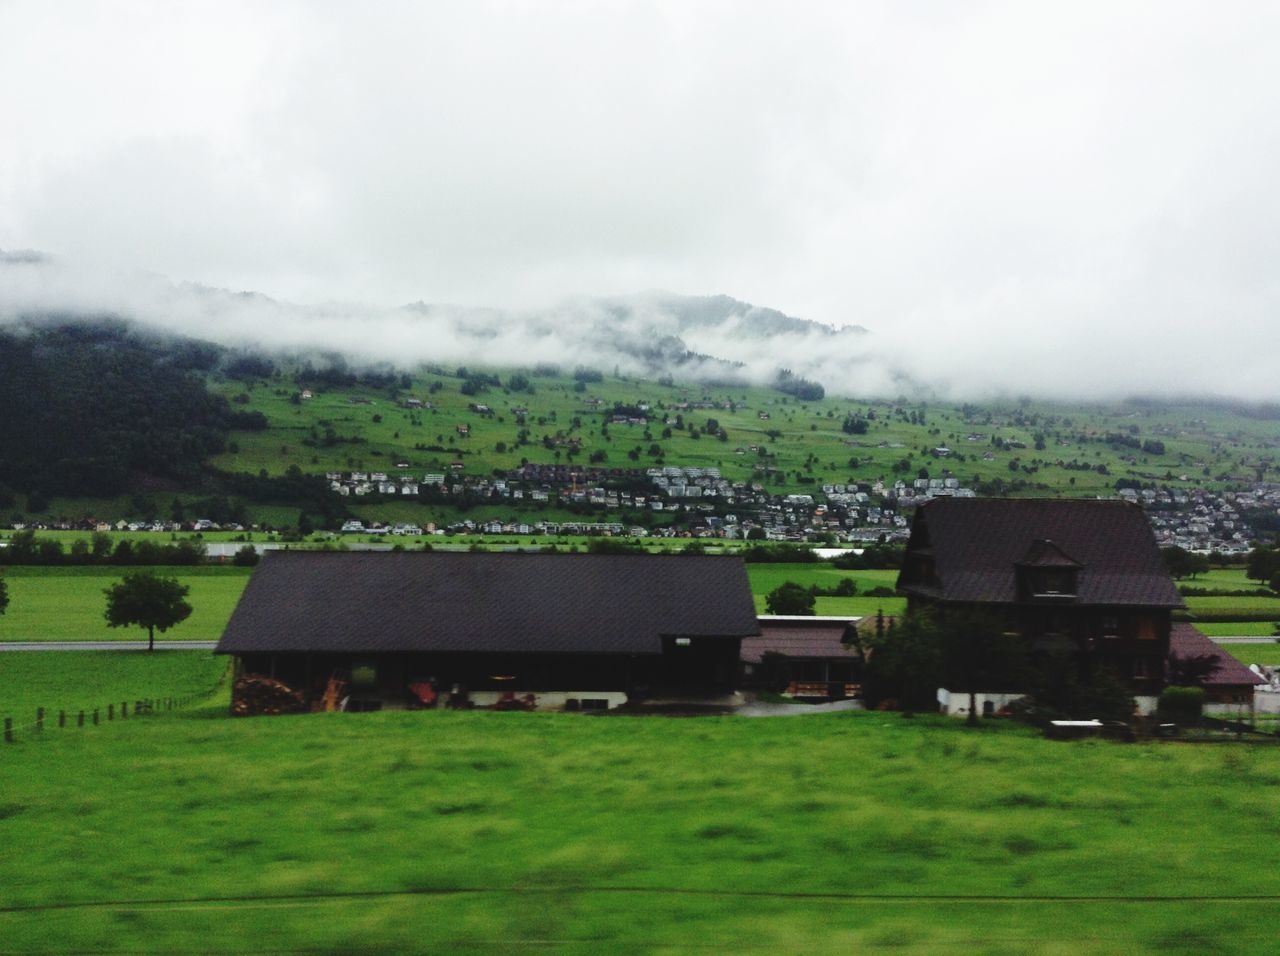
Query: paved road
105,645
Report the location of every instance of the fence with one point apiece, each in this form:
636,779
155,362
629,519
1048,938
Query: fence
79,718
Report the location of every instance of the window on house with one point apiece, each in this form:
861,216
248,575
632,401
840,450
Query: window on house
1110,626
1052,582
1146,628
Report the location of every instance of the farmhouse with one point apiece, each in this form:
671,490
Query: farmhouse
573,631
1085,574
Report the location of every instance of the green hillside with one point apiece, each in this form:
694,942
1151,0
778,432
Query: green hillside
270,428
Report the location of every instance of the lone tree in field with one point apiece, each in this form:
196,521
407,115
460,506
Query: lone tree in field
148,601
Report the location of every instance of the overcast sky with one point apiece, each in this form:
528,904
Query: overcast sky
1032,195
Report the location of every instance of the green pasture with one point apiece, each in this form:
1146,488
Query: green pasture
67,604
1222,578
803,441
1254,653
82,680
766,577
1236,628
1233,603
481,832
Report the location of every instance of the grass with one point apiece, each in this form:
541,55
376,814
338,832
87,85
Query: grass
765,577
1254,653
508,832
82,680
67,604
1236,628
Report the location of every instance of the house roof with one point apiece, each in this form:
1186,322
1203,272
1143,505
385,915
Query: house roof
796,637
1185,641
976,544
301,601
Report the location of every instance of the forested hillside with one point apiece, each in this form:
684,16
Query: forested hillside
99,409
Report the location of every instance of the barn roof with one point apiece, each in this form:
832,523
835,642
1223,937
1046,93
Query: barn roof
806,639
1187,642
977,544
301,601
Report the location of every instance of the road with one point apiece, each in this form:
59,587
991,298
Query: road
105,645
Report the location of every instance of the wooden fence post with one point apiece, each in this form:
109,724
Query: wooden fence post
80,719
111,711
124,710
39,719
95,716
62,718
8,730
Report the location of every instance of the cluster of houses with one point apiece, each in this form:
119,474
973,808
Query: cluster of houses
1082,582
1204,521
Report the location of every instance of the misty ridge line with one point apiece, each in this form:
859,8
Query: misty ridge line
713,340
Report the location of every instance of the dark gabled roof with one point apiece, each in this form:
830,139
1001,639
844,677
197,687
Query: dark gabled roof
1043,553
1186,642
976,545
300,601
812,639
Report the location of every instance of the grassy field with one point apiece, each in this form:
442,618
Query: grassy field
765,577
508,832
1236,628
67,604
82,680
1254,653
804,438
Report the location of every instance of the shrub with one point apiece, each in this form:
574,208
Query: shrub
789,598
1182,705
246,557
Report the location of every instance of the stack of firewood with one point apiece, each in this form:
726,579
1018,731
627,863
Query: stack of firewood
254,694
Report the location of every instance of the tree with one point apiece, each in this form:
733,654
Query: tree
4,596
790,598
149,601
1184,564
978,654
903,663
246,557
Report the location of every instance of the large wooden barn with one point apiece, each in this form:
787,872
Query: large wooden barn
544,630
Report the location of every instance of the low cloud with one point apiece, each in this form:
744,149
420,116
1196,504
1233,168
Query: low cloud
656,333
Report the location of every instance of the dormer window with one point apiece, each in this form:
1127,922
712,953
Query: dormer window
1047,573
1052,582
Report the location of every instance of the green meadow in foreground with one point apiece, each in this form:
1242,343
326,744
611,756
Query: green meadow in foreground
484,832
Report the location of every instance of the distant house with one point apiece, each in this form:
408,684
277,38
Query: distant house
575,631
1084,572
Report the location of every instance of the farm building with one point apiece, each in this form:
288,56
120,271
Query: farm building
1085,574
805,657
575,631
1229,685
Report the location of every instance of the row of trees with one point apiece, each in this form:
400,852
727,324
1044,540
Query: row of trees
26,547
